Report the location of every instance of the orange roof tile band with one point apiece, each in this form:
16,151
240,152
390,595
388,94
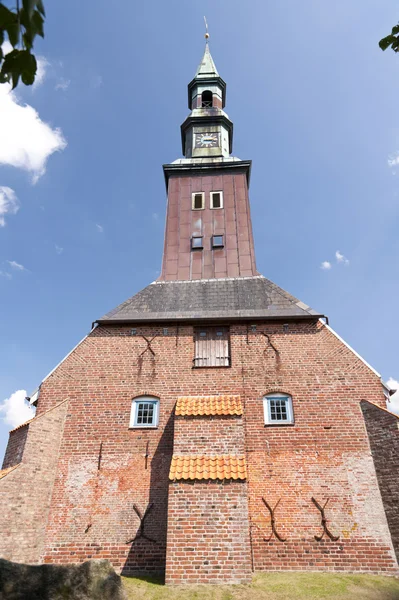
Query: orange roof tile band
208,467
208,405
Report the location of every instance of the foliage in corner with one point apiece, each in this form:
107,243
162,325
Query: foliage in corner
391,40
21,25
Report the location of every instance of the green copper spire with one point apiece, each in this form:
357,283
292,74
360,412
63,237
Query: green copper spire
207,67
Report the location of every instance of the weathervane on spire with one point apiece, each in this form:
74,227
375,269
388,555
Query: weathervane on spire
206,27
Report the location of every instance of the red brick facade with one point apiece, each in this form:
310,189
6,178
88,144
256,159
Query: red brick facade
100,470
15,447
208,534
383,431
26,492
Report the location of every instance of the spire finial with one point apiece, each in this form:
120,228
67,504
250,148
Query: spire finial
206,33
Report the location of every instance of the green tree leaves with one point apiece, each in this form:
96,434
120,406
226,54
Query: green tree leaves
21,26
391,40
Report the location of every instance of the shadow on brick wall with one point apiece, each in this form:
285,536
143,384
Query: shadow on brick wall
383,434
148,548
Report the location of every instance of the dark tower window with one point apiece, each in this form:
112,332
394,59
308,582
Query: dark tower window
217,241
196,243
198,201
216,199
206,99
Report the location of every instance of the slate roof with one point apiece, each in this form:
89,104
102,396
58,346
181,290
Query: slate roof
193,406
208,467
231,298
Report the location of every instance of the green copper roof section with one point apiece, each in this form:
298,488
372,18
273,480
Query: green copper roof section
207,67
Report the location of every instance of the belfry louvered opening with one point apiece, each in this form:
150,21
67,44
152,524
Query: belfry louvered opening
211,347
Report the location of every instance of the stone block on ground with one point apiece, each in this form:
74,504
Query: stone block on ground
91,580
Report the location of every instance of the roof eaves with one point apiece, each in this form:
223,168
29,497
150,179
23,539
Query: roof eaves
206,318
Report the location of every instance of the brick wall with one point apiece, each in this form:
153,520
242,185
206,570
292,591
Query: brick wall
383,431
209,435
208,535
15,446
208,528
26,491
325,454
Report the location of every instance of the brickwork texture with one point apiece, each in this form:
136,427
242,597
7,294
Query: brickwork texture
383,431
84,471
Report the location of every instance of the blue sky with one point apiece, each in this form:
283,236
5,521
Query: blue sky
82,196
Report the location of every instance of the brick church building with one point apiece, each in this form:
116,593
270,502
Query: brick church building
211,425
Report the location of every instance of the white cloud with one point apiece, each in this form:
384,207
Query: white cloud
63,84
26,142
341,258
393,405
58,249
15,410
100,228
5,274
42,66
8,201
16,265
393,160
325,265
155,216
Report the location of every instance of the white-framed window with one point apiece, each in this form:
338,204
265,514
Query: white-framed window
216,200
198,200
277,409
144,412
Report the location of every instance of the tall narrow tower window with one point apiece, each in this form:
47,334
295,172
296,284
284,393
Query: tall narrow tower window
198,201
216,199
207,99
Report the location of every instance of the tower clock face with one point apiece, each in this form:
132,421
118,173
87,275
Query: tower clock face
206,140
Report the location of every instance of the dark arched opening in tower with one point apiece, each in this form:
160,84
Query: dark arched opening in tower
206,99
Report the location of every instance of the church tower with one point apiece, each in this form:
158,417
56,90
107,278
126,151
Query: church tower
208,227
212,424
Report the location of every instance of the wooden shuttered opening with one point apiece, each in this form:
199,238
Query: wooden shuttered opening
211,347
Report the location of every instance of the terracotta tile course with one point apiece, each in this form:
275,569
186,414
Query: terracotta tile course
208,467
208,405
